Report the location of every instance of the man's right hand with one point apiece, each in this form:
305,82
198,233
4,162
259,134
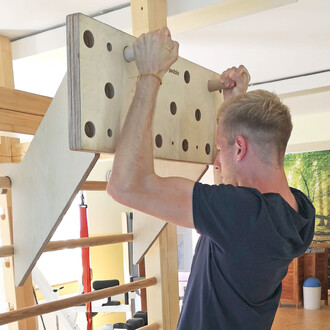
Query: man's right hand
155,52
236,80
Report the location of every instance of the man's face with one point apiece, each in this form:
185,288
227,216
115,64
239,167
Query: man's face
225,165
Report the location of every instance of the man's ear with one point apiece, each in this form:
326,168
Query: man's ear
241,145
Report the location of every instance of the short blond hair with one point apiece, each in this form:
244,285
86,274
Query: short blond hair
262,119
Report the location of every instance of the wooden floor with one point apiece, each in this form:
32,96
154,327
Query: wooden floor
288,317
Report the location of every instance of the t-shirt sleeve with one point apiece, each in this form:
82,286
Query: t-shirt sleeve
225,213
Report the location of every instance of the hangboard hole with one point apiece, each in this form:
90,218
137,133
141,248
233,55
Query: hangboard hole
187,77
88,39
172,143
109,47
173,108
159,141
109,90
207,148
89,129
109,132
198,115
185,145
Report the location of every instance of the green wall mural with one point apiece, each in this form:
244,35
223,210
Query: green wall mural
310,172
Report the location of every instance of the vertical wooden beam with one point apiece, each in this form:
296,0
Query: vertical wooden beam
148,15
17,297
161,260
6,64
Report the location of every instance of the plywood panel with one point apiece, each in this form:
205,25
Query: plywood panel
102,85
44,184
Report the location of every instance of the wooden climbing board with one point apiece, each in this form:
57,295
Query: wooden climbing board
101,87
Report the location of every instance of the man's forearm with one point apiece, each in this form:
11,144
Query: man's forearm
134,152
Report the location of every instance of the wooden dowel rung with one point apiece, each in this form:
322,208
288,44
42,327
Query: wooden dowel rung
6,251
152,326
54,306
88,242
5,182
215,85
95,185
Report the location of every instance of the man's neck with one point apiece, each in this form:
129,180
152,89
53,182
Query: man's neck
268,179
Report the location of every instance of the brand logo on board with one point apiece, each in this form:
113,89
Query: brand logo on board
174,71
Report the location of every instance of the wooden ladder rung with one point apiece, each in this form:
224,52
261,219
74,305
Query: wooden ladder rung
94,185
152,326
89,241
5,182
74,301
8,250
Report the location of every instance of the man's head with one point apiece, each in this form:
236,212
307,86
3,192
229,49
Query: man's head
258,119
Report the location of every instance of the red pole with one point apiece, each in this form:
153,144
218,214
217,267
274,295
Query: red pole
86,261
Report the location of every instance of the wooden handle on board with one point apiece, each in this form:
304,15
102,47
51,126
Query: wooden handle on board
128,54
215,85
54,306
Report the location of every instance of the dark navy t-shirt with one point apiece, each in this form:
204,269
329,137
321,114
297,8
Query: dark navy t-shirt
247,241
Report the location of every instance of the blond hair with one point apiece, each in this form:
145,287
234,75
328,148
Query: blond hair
262,119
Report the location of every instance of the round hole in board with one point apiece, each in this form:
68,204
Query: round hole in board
159,141
172,143
196,147
89,129
109,90
185,145
173,108
109,47
198,115
88,39
109,132
187,77
207,148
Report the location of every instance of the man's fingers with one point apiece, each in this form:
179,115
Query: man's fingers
242,71
175,46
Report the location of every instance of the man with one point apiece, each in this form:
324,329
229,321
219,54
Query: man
251,226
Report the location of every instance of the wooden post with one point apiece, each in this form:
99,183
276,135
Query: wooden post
17,297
